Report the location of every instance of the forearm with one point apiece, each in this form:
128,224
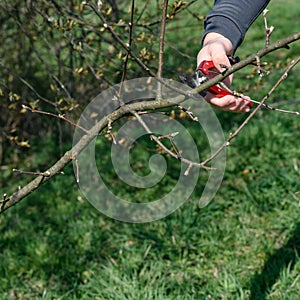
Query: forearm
232,18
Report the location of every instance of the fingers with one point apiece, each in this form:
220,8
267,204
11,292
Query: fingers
230,103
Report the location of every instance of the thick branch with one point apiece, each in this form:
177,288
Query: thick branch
7,202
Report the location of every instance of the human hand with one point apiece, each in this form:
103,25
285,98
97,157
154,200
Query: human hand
217,48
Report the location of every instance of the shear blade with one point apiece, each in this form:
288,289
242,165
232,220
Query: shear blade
192,82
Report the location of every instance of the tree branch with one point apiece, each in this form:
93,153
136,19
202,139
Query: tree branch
70,155
82,143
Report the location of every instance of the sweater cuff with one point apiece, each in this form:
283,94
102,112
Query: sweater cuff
225,27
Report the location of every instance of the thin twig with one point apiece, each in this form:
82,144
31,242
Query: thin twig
186,5
187,171
189,113
44,174
129,43
62,117
266,106
76,170
168,136
269,107
28,85
109,131
260,71
161,47
269,30
3,201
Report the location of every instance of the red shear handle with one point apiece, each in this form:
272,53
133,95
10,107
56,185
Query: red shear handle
207,67
218,91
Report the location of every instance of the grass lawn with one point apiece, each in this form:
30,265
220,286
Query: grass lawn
244,245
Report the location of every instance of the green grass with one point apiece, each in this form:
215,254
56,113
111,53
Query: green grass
244,245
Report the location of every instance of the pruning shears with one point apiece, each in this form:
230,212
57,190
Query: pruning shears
206,71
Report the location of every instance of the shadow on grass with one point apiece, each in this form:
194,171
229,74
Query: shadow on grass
280,259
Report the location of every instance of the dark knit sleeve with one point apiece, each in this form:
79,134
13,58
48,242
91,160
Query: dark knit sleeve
232,18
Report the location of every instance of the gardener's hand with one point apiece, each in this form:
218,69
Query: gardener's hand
216,48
